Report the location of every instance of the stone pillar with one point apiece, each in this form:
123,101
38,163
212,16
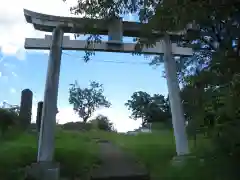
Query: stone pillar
26,108
43,171
46,144
115,32
39,115
178,120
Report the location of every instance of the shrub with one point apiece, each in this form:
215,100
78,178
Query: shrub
102,123
8,119
77,126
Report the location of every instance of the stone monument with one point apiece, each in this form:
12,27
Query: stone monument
25,113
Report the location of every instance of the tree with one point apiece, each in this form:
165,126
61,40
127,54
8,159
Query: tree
103,123
86,100
149,108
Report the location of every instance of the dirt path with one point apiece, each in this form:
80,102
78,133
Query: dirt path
117,165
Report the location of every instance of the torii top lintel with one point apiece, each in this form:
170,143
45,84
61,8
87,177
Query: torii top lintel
47,23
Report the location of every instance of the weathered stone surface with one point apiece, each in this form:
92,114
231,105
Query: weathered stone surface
26,107
39,115
43,171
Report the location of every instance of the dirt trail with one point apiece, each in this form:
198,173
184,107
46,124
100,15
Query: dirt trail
117,165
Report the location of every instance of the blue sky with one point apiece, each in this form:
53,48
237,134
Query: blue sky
22,69
120,80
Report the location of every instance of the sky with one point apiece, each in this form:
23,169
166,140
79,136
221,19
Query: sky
120,74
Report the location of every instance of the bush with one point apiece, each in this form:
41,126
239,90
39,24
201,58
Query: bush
102,123
8,119
226,141
77,126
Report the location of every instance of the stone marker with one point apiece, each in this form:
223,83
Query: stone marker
42,171
26,107
39,115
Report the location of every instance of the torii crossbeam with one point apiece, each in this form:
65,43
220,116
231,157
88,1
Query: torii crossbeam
67,44
115,29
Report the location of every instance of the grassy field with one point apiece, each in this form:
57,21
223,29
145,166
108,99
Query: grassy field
77,154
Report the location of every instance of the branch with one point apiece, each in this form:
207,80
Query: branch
208,43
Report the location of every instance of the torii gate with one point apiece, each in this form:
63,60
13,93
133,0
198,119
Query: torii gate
115,30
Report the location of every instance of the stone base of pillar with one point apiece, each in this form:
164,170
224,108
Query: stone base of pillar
43,171
181,160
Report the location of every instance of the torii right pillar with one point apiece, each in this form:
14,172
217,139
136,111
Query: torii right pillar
178,120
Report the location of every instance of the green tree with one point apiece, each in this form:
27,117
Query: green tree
103,123
149,108
86,100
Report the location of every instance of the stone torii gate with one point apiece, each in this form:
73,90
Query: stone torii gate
115,30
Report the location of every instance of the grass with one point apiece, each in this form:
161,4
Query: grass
77,154
156,151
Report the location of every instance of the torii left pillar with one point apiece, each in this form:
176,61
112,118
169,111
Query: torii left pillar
46,144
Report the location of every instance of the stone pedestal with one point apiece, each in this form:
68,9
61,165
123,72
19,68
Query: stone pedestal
181,160
43,171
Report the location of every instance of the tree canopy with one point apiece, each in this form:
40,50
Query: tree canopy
211,78
86,100
149,108
103,123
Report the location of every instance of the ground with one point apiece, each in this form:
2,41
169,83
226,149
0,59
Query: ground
79,154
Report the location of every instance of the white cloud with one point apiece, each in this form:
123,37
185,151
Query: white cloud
119,118
34,112
6,69
12,90
14,74
66,115
13,27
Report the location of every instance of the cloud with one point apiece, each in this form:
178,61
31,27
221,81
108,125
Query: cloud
120,118
66,115
12,90
6,69
34,112
14,74
13,27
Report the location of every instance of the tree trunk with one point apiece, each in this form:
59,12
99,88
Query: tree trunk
85,119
